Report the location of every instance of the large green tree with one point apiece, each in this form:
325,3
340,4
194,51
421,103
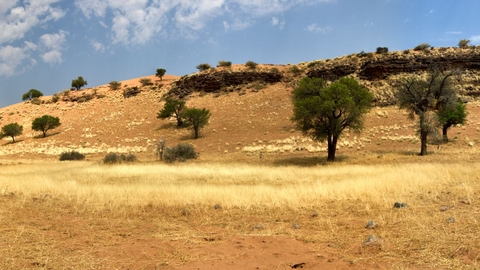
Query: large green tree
197,118
32,93
12,130
173,107
424,96
160,73
324,111
454,114
79,83
45,123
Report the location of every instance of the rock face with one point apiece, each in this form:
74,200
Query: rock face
216,81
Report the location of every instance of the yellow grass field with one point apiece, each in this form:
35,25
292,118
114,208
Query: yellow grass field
54,214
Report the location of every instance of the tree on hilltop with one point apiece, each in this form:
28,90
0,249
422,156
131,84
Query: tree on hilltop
78,83
45,123
324,112
160,73
31,94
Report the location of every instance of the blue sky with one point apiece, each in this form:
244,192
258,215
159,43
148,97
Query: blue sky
44,44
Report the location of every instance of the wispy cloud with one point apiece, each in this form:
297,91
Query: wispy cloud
454,33
314,28
278,23
475,39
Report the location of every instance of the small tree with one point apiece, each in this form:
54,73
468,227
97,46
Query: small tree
78,83
463,43
114,85
455,114
197,118
203,67
32,93
323,112
226,64
422,47
12,130
173,107
160,73
45,123
422,97
381,50
251,65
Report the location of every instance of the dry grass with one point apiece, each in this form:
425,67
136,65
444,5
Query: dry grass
257,200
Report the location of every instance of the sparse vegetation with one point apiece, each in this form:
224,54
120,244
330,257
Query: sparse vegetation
131,91
114,85
71,155
173,107
36,101
422,47
78,83
382,50
55,98
464,43
31,94
181,152
45,123
160,73
115,158
146,82
295,70
226,64
12,130
251,65
203,67
196,118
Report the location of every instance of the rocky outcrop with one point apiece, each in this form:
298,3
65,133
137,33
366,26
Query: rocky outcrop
217,81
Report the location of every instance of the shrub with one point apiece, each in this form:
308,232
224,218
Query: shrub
295,70
71,155
251,65
146,81
364,54
130,91
113,158
55,98
381,50
114,85
422,47
36,101
463,43
203,67
224,64
180,152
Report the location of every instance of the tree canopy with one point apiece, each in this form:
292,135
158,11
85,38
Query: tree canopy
454,114
173,107
323,111
12,130
197,118
78,83
160,73
32,93
45,123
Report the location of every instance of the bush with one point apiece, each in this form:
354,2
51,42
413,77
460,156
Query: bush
113,158
72,155
295,70
146,81
203,67
55,98
364,54
181,152
381,50
224,64
251,65
36,101
422,47
463,43
130,91
114,85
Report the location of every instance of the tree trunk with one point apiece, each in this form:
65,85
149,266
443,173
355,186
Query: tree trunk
179,122
13,139
444,132
195,128
423,139
332,147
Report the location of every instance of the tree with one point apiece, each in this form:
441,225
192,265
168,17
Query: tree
173,107
114,85
45,123
422,97
197,118
323,112
78,83
251,65
32,93
463,43
455,114
12,130
160,73
203,67
381,50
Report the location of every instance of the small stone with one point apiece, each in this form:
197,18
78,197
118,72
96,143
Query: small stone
370,240
258,227
443,208
450,220
296,226
371,224
217,206
315,214
400,205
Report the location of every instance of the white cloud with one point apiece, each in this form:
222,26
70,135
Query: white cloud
11,58
475,39
278,22
52,57
97,46
314,28
52,46
454,32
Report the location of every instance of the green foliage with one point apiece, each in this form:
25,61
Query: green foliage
114,85
12,130
452,114
131,91
422,96
323,111
55,98
36,101
146,81
79,83
181,152
226,64
173,107
197,118
203,67
45,123
160,73
71,155
251,65
32,93
381,50
422,47
295,70
463,43
113,158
